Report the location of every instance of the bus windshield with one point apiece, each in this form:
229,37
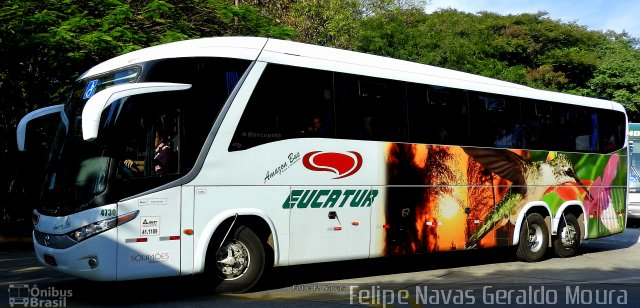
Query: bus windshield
77,169
143,141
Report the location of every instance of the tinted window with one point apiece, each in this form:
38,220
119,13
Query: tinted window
437,115
573,128
370,108
288,102
158,137
212,80
495,120
292,102
537,118
613,130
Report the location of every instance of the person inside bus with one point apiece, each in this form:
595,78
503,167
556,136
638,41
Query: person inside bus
163,158
316,128
441,135
507,139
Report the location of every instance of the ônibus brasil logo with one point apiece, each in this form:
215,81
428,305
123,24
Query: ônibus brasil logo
342,164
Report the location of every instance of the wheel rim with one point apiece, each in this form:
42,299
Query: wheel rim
232,260
535,238
568,236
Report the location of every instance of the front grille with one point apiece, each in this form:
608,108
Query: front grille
53,240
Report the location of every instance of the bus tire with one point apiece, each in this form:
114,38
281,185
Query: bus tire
534,238
238,263
566,242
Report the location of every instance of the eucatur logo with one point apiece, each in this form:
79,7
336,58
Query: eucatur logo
342,164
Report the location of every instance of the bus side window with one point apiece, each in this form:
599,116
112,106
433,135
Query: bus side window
149,137
284,105
613,133
535,117
371,108
579,127
437,115
495,120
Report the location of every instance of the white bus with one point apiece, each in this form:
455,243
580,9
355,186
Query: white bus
227,156
634,169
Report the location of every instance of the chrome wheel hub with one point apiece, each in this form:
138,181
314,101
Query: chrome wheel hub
568,236
535,238
232,260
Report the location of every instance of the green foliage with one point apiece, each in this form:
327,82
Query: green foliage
156,10
327,22
47,43
617,75
529,49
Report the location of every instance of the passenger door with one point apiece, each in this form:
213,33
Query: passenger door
149,246
143,133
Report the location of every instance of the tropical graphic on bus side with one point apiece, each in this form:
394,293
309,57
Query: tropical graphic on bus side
465,198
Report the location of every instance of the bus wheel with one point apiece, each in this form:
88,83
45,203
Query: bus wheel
239,262
534,238
566,242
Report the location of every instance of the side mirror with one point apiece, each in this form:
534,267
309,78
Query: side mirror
101,100
21,130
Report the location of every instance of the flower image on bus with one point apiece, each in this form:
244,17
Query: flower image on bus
227,156
634,168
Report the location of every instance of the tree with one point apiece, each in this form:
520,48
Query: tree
529,49
325,22
617,76
332,23
46,44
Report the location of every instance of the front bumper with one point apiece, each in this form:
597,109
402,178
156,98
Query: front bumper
633,210
93,259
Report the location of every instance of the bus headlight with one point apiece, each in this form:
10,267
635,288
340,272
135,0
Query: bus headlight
98,227
92,229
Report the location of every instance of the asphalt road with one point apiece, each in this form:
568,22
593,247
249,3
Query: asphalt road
606,273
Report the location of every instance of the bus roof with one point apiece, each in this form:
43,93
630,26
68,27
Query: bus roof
326,58
231,47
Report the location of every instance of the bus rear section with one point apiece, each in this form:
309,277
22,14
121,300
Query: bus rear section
522,168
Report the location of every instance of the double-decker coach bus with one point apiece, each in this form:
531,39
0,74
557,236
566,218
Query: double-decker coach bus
227,156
